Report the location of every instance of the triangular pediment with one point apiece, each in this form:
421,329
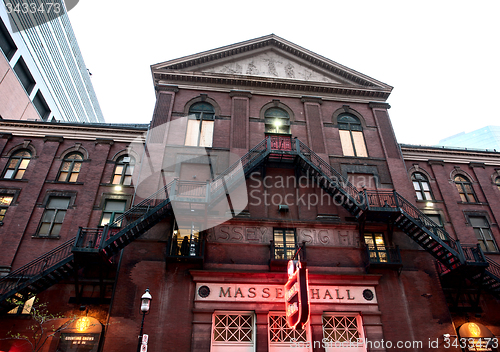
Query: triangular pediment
272,62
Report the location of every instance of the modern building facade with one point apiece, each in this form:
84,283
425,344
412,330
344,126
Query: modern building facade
42,72
258,153
487,137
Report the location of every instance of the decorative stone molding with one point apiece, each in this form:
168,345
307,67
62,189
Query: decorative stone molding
104,141
58,139
166,88
474,164
435,162
378,105
240,93
310,99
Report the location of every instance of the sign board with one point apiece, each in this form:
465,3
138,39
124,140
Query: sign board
296,295
145,339
144,348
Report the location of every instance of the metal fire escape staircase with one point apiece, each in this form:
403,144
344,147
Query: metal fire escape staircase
63,262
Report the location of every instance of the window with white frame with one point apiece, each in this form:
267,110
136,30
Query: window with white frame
124,168
421,186
200,128
282,337
351,136
343,332
233,332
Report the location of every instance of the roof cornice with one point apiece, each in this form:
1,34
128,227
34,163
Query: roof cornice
449,155
177,70
72,130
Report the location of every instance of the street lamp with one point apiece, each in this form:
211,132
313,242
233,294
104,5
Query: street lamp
145,303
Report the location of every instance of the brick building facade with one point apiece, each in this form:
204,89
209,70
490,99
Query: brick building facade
257,153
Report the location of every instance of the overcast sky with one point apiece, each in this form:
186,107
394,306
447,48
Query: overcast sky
441,57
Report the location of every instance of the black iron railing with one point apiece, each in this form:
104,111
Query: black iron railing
89,238
383,254
36,267
493,268
185,247
333,176
473,254
392,199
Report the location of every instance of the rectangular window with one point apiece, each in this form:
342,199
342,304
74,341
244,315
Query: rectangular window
281,337
353,143
376,247
345,140
53,216
41,106
24,75
343,332
186,240
233,332
483,233
6,43
436,218
359,143
113,208
5,201
285,244
199,133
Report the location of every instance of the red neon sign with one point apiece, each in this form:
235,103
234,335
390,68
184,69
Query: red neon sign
296,295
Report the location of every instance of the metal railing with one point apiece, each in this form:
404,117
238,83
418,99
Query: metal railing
392,199
238,169
281,143
473,254
191,189
493,268
89,238
36,267
184,247
380,199
332,175
383,254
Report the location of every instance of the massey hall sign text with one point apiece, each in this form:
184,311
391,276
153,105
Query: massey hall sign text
224,292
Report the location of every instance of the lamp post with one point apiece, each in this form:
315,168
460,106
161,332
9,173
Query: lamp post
145,303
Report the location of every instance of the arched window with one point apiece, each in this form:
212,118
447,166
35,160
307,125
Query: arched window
200,128
421,186
497,182
70,167
124,168
277,120
18,163
351,136
464,187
